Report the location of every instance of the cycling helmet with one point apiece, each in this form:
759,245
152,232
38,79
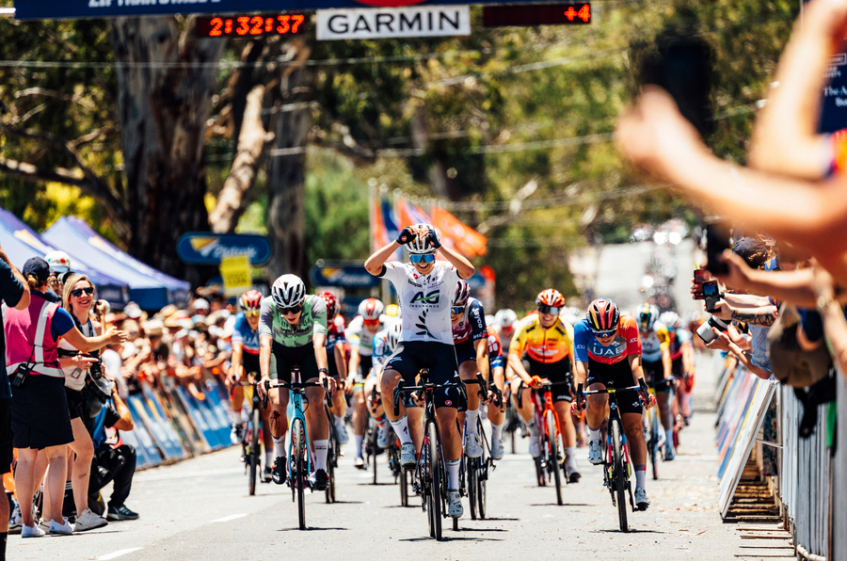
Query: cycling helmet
331,304
647,317
463,292
603,316
550,297
420,245
371,308
59,262
288,291
392,311
489,320
251,300
505,318
395,330
671,319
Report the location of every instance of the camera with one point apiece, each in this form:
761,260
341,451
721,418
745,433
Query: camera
705,331
96,369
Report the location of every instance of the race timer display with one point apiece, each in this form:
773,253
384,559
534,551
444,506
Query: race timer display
251,26
536,14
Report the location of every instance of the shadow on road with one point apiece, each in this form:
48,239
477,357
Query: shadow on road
346,503
631,531
311,529
565,504
450,539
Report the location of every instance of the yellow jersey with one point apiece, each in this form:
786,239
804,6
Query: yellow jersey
542,345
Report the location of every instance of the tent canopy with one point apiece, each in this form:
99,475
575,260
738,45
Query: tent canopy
20,242
149,288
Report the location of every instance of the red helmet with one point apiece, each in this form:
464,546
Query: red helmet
603,317
331,304
251,300
463,292
550,297
370,309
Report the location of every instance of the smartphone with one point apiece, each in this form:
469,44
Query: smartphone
699,279
683,67
711,294
717,240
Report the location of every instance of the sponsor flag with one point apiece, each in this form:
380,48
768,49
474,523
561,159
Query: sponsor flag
379,233
467,240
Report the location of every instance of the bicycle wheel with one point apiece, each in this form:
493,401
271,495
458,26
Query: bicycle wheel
404,489
539,471
620,474
473,475
435,484
254,450
300,463
330,465
374,436
655,452
553,453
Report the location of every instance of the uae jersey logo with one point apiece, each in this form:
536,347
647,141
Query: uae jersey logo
431,298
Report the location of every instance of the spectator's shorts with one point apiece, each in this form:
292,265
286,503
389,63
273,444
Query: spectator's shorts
6,445
40,416
77,406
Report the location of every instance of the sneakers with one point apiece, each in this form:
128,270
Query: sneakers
31,531
235,433
595,453
641,500
473,448
63,529
341,432
497,450
407,456
267,475
383,438
117,513
321,480
278,471
359,462
454,504
534,445
88,521
16,520
670,452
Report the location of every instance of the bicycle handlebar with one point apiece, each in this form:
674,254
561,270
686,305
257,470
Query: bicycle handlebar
581,393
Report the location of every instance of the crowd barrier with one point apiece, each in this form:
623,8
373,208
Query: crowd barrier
172,424
807,474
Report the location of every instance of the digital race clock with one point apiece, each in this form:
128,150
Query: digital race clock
251,26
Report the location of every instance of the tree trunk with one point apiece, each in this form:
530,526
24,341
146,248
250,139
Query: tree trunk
286,164
165,84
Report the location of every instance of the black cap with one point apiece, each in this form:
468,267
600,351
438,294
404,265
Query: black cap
753,251
37,267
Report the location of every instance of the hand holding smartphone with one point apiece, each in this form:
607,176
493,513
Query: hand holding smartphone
712,295
697,286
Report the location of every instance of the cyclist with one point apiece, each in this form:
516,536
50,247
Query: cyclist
682,361
245,360
471,341
608,354
542,349
506,321
425,289
496,415
656,362
292,329
360,334
336,362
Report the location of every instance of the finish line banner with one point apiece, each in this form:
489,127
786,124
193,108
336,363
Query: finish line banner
64,9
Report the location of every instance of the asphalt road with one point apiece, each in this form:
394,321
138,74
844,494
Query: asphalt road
200,509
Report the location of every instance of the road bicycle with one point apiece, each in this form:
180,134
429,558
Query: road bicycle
333,448
548,463
478,469
617,468
654,434
430,473
372,447
251,442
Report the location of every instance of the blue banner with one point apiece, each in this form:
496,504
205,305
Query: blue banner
205,248
203,420
348,276
60,9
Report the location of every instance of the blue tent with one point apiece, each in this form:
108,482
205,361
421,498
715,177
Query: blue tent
20,243
149,288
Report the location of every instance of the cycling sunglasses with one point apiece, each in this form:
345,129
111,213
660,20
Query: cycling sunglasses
422,257
79,291
458,310
605,334
292,310
252,313
544,309
372,321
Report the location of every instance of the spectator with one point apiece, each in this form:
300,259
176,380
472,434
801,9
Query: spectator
60,267
40,417
14,292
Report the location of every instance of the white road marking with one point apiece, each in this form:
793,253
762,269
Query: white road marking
230,517
118,553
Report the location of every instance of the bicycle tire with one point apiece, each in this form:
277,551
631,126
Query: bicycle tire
541,478
654,445
482,475
435,470
473,475
404,489
300,481
620,475
254,450
553,454
330,464
374,436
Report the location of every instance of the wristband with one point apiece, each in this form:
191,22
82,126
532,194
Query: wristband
324,370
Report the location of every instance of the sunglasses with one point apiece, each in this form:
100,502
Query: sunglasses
605,334
79,291
292,310
458,310
548,310
252,313
372,321
422,257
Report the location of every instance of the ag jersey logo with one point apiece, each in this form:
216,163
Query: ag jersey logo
432,298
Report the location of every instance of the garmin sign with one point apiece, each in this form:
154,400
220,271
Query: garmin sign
380,23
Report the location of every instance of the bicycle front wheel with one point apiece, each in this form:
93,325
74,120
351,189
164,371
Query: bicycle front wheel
256,422
332,451
374,436
300,463
404,488
473,480
655,452
620,475
553,453
435,483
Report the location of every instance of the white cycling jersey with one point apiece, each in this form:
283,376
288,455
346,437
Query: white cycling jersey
359,336
425,300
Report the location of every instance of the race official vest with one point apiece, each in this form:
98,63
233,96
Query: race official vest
28,338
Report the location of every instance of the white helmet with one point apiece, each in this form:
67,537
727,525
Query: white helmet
489,320
417,245
371,308
395,331
671,319
505,318
59,261
288,291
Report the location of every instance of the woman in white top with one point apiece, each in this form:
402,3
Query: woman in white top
78,300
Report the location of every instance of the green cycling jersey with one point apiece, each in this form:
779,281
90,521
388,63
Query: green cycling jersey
312,322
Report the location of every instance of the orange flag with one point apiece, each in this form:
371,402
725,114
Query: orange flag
468,241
